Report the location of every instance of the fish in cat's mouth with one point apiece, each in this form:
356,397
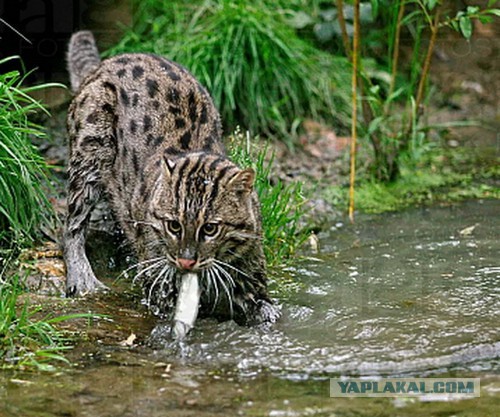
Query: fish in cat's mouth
186,308
188,298
193,278
215,279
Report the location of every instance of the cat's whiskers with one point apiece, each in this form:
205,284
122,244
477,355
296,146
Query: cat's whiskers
206,263
212,282
160,275
156,265
168,275
226,274
229,291
138,264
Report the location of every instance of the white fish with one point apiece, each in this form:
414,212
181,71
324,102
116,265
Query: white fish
186,309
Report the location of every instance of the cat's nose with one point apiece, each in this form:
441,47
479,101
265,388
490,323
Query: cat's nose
186,264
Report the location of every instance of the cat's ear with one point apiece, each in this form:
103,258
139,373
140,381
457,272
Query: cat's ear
169,165
243,181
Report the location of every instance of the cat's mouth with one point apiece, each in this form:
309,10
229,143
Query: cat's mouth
192,265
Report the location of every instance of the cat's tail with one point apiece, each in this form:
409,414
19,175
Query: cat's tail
83,57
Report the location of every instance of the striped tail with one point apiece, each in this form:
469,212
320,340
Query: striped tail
83,57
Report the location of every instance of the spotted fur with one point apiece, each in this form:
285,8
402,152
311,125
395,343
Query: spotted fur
145,135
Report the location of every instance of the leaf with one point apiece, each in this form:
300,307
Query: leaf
49,355
468,230
375,6
366,13
325,31
300,20
431,4
395,94
374,90
465,27
374,124
496,12
329,14
129,341
67,317
492,2
472,9
485,19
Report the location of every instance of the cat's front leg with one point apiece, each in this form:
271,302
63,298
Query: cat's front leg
80,279
84,191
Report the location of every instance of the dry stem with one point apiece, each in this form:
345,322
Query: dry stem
355,53
427,61
395,52
343,29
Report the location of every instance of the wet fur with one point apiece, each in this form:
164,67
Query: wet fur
145,136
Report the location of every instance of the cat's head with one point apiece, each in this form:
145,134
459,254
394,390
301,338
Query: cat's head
203,211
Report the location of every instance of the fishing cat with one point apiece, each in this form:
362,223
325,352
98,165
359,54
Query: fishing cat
146,136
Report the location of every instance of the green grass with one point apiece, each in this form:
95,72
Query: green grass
261,75
282,205
29,334
28,337
26,341
23,205
442,176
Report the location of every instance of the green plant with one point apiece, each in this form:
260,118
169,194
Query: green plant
441,175
29,336
391,105
282,205
391,115
260,73
23,205
25,340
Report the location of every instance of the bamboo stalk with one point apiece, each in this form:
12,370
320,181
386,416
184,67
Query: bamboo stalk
366,109
355,53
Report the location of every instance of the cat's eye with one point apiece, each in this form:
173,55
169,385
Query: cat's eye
210,229
174,227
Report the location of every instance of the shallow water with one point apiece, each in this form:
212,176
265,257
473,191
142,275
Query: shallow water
413,294
398,294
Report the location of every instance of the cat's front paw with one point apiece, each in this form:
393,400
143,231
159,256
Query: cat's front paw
82,284
264,314
268,312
